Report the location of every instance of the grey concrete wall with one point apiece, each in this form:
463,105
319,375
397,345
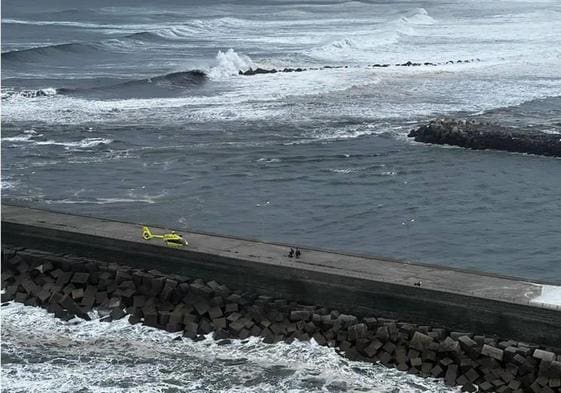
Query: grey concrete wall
348,291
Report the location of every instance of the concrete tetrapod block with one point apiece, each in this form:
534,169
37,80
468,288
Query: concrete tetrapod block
466,343
492,352
215,312
360,330
77,294
300,315
544,355
80,278
9,293
382,333
420,341
372,349
117,313
88,300
202,307
437,371
68,303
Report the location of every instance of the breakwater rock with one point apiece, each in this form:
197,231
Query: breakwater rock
70,287
259,70
476,135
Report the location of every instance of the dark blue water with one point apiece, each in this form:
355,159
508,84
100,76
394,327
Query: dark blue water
137,112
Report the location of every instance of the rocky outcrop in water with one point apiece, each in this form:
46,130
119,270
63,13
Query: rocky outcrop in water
70,287
475,135
259,70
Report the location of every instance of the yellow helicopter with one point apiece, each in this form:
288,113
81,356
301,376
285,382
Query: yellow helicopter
171,239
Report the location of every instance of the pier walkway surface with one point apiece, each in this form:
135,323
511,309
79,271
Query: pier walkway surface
453,298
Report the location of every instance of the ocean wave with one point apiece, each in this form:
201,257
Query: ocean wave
180,79
55,23
173,80
121,357
230,63
8,93
419,16
145,36
27,135
357,48
31,138
56,50
81,144
7,185
343,44
99,201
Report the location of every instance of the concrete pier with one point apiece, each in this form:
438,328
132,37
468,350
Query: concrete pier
456,299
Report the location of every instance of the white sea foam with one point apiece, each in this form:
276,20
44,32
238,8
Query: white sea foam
229,64
18,138
419,16
10,93
512,45
132,197
46,354
30,136
550,296
269,160
99,201
8,184
81,144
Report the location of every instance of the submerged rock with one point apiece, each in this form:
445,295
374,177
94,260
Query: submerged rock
476,135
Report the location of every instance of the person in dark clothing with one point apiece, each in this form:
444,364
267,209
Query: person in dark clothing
298,253
291,253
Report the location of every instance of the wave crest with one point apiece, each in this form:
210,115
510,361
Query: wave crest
8,93
419,16
175,80
38,52
30,137
230,63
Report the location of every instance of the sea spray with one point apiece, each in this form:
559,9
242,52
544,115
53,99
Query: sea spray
229,64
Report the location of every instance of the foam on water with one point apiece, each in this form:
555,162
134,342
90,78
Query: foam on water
30,136
8,185
419,16
229,64
82,144
40,353
551,296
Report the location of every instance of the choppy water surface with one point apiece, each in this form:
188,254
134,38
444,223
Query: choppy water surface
43,354
136,111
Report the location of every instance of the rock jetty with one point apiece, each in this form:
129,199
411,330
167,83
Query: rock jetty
259,70
70,287
476,135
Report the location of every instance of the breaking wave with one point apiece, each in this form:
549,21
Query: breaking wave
419,16
77,355
30,136
175,80
230,63
145,36
11,93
